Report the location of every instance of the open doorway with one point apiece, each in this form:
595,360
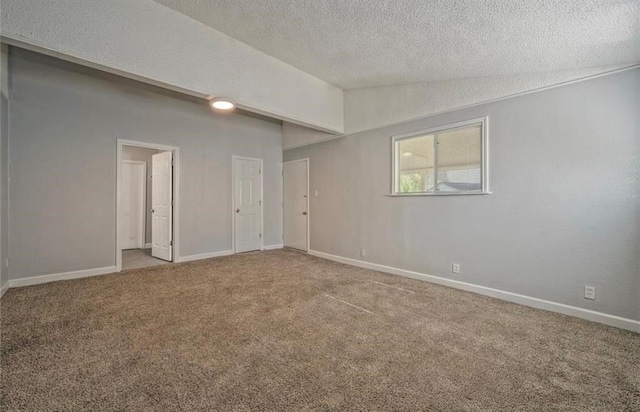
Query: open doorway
147,198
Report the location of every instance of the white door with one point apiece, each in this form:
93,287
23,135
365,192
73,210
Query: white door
134,177
247,204
161,205
296,204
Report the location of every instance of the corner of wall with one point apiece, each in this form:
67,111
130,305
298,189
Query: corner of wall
4,163
3,288
294,136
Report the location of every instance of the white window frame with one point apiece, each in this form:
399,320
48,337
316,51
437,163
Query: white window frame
484,157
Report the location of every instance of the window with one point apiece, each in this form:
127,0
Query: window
445,160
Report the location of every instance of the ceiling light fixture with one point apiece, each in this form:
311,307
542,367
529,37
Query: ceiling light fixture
407,154
222,104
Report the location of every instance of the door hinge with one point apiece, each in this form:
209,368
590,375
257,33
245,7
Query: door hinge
171,243
260,235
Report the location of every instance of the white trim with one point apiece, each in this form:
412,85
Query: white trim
438,194
146,145
201,256
611,320
440,128
77,274
306,159
233,199
4,288
273,247
176,193
484,156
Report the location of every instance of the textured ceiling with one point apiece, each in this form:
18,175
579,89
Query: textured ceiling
368,43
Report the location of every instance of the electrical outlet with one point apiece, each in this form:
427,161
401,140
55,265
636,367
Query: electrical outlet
590,292
455,268
363,253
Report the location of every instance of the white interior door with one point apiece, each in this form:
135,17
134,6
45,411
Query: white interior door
247,204
296,204
162,205
133,204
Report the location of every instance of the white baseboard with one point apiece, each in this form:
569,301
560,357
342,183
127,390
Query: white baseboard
147,245
272,247
190,258
36,280
611,320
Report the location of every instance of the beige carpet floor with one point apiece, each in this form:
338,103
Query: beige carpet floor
280,330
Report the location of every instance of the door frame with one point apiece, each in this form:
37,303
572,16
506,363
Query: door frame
176,194
306,159
144,201
233,199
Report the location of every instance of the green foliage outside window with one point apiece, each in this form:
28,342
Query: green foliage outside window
411,183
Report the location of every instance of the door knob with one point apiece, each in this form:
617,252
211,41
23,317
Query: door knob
152,211
304,213
237,210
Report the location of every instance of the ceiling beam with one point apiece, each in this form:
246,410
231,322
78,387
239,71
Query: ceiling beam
146,41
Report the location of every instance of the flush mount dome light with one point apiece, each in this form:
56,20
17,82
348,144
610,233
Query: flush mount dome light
407,154
222,104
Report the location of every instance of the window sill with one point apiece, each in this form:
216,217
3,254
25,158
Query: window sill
437,194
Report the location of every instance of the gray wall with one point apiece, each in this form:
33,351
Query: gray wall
65,120
4,162
143,154
564,213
